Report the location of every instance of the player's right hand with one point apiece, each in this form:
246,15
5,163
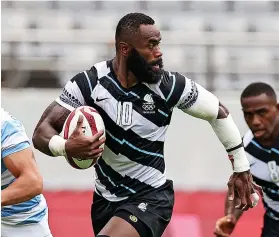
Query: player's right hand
83,147
224,226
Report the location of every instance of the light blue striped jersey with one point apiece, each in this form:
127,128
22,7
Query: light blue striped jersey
14,139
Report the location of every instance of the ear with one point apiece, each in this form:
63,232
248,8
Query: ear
124,48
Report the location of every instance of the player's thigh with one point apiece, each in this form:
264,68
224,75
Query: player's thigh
101,212
119,227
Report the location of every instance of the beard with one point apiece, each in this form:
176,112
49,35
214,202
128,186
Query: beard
142,70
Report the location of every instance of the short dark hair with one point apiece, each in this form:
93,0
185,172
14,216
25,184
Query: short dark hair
130,23
258,88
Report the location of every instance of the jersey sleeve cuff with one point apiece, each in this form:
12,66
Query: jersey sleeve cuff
65,105
15,148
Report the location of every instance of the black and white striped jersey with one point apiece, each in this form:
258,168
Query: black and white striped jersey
136,121
264,165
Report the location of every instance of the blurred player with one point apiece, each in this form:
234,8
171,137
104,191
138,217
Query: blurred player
24,211
261,113
135,98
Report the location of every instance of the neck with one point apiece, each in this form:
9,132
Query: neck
124,76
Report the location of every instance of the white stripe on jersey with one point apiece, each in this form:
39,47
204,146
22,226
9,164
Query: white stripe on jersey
140,125
102,69
247,138
20,217
260,169
155,88
105,193
274,205
65,105
12,131
126,167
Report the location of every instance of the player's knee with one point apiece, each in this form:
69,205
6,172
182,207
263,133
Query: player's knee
102,236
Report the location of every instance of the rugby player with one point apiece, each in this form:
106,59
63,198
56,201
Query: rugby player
135,97
261,143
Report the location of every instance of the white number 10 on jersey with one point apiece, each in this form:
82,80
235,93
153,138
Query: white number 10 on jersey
124,113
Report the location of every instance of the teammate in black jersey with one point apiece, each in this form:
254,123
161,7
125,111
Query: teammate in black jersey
135,98
261,113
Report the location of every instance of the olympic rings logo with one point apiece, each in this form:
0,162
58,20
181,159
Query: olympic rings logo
148,106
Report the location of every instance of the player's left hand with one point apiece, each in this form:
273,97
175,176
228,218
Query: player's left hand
242,188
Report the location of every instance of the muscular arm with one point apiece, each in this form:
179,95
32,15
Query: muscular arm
50,124
29,182
74,94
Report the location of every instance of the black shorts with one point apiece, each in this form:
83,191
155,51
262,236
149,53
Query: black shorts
149,212
270,227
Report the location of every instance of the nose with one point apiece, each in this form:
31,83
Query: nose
256,122
157,53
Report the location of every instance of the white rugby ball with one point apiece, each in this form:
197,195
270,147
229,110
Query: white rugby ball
92,123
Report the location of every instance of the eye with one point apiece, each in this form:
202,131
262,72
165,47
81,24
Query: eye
151,45
247,114
262,112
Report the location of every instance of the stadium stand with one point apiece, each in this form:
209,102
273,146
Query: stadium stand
194,33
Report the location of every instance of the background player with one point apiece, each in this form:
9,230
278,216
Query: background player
135,98
261,113
24,211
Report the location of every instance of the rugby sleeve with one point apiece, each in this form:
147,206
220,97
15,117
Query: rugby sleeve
13,138
200,103
77,92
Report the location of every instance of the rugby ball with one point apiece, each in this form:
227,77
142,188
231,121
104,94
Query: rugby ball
92,123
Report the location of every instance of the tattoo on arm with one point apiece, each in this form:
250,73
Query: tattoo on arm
45,114
60,115
50,124
55,116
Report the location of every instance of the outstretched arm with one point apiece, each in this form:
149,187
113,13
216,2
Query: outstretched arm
206,106
200,103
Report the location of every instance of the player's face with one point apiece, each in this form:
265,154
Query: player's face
262,115
145,59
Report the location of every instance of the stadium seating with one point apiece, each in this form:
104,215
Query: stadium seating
41,29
